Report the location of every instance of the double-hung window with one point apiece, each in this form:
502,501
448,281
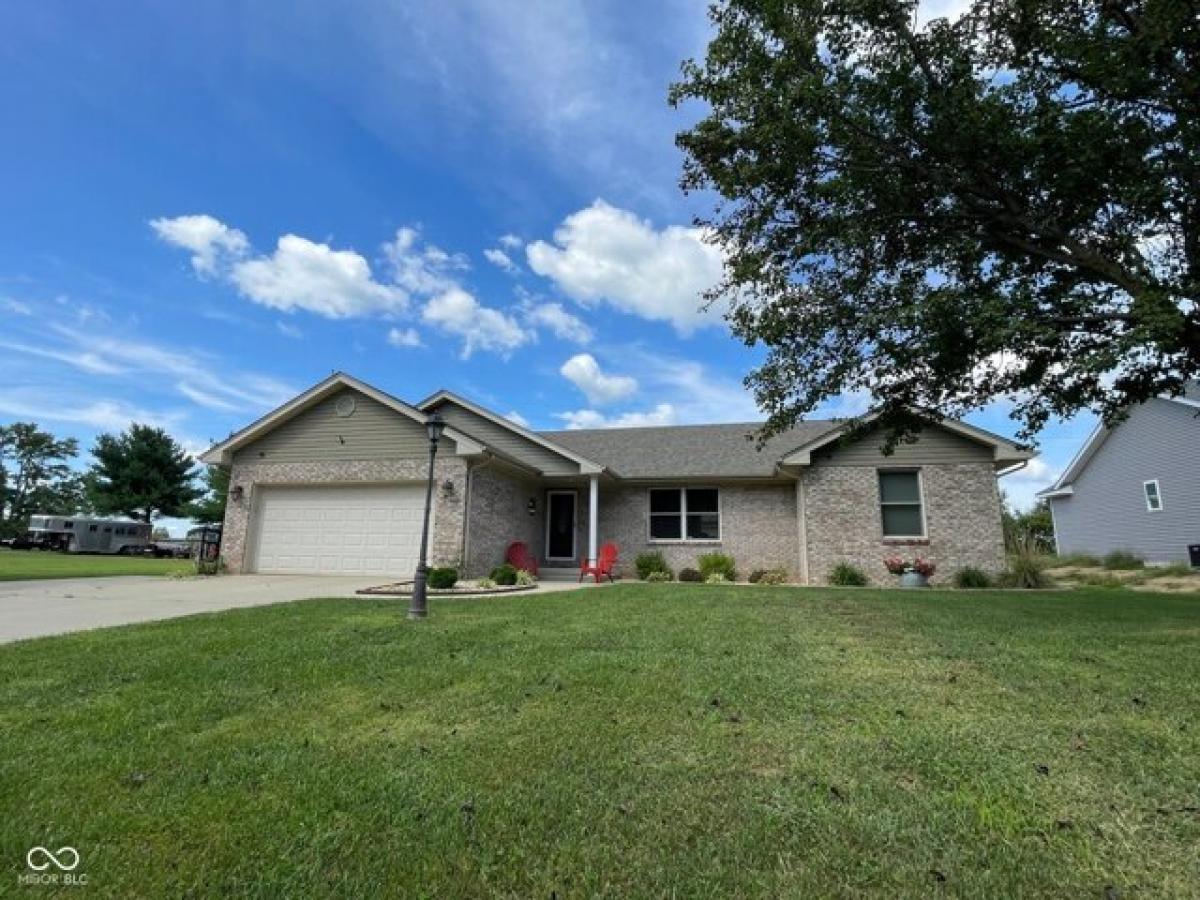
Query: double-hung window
1153,495
901,508
678,514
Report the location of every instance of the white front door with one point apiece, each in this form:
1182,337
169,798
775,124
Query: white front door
338,529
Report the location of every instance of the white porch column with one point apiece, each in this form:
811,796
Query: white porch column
593,516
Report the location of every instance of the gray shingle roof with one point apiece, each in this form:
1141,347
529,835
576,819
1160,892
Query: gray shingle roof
679,451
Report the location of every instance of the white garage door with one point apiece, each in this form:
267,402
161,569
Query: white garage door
339,530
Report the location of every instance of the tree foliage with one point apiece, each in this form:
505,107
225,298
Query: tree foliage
35,475
1001,207
1028,527
211,505
141,473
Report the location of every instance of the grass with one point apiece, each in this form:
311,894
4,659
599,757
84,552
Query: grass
639,740
24,565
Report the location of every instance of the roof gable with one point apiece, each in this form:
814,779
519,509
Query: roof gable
1004,452
222,453
532,448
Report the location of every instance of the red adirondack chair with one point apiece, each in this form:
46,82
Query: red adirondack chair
518,555
604,565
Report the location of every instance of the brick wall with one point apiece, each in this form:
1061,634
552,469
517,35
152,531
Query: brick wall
445,542
497,516
758,528
962,510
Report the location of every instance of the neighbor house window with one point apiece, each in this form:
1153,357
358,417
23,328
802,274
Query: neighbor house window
1153,496
692,514
900,504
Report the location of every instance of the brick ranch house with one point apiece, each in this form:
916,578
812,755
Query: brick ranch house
333,482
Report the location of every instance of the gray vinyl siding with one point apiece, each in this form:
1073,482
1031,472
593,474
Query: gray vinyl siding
372,432
500,438
1160,440
933,446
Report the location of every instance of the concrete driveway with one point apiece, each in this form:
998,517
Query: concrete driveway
36,608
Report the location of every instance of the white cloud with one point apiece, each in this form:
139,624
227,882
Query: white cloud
423,271
584,372
83,360
102,415
662,414
481,328
699,393
510,242
404,337
603,254
198,377
561,323
210,240
501,260
16,307
513,416
301,274
289,330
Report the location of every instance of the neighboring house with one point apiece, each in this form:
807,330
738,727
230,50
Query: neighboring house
1135,486
333,482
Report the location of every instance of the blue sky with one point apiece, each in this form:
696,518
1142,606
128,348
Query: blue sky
208,207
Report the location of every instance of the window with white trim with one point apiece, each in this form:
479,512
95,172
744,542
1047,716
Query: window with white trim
678,514
902,511
1153,495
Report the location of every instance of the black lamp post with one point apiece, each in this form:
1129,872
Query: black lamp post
417,609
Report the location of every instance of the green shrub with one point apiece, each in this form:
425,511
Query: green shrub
717,564
1122,559
1074,559
525,579
442,578
771,576
972,577
1026,570
645,563
505,574
756,576
657,576
690,574
485,584
846,575
716,578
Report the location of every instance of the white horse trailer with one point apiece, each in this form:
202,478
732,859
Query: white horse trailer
78,534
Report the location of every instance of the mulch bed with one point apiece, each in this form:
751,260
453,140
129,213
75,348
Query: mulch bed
404,589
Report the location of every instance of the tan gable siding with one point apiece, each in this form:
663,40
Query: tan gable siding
934,446
372,432
500,438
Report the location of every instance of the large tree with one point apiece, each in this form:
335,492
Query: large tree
1003,206
211,505
141,473
35,474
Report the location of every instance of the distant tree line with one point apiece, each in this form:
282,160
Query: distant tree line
142,473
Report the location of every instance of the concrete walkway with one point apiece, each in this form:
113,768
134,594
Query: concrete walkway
38,608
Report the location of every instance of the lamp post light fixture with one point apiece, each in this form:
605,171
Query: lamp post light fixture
417,609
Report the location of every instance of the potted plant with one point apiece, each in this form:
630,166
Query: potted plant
913,573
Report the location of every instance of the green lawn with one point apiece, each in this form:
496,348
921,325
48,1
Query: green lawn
23,565
640,740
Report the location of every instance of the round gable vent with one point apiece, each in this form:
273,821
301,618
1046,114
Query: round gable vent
345,406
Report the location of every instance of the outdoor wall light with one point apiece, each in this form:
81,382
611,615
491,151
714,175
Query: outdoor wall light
448,487
531,506
236,493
